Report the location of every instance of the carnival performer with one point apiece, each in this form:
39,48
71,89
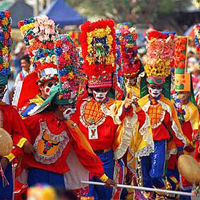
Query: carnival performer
99,116
141,141
10,119
39,34
131,63
164,122
53,134
187,111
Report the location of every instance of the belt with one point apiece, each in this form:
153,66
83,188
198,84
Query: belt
102,151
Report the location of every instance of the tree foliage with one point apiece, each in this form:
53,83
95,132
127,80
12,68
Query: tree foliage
136,11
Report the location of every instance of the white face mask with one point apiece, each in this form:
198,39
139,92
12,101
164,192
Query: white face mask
154,92
68,113
99,96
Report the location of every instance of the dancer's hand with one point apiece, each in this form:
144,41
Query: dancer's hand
4,163
28,147
127,102
110,183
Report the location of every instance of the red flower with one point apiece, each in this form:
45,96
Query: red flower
20,24
182,56
6,35
30,37
59,43
7,13
182,47
183,40
181,65
50,45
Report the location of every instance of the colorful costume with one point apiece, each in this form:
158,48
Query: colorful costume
100,120
54,138
10,120
164,122
131,62
39,34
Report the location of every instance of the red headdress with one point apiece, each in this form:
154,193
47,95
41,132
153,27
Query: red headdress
99,53
131,62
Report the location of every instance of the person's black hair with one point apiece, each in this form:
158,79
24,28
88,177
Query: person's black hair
26,58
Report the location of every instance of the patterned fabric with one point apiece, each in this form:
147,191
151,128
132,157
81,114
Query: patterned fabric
155,113
93,112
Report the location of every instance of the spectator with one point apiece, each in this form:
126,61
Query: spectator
25,64
15,92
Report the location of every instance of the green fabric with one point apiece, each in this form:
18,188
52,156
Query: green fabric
192,98
151,80
4,80
63,101
54,92
179,70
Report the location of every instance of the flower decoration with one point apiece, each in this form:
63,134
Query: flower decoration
5,42
75,37
159,57
180,58
178,106
98,50
131,62
68,65
197,36
39,34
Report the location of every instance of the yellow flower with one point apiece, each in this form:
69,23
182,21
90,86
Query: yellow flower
71,75
66,56
5,21
5,50
6,64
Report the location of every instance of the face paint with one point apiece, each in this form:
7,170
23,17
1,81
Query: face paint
155,92
47,90
100,96
68,113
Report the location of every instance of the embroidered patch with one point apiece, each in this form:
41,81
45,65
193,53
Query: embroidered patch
49,147
93,133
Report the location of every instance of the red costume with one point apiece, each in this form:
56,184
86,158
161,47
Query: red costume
53,139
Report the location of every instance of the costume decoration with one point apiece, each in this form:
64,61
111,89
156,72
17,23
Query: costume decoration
187,111
5,46
99,53
159,57
182,78
131,62
165,125
67,59
39,34
75,35
68,65
197,36
53,138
